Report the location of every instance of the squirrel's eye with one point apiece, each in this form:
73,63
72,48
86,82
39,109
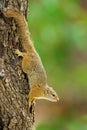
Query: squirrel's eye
53,95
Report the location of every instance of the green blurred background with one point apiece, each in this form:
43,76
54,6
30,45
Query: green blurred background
59,31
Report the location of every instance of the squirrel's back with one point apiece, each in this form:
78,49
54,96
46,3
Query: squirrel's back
31,63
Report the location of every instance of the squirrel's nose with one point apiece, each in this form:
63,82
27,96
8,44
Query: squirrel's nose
57,98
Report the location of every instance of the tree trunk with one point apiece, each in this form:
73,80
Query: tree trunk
14,85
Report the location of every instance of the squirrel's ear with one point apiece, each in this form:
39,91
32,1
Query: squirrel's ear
47,89
47,86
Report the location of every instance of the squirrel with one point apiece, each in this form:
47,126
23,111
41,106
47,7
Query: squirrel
31,62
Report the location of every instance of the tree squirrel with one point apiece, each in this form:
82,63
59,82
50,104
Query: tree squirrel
31,63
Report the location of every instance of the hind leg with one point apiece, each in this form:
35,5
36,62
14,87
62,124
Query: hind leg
25,61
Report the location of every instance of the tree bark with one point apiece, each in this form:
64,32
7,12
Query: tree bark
14,85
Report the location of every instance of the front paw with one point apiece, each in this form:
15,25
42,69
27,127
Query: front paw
31,107
18,52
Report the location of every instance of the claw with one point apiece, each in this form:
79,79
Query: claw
19,53
16,51
31,106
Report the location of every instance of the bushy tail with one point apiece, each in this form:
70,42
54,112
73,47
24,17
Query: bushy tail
23,29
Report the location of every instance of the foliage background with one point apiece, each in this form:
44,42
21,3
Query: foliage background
59,31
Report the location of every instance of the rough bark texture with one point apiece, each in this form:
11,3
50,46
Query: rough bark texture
14,86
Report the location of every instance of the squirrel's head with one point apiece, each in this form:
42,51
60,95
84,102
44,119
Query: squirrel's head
51,95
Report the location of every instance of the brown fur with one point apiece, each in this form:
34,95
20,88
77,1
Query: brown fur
31,63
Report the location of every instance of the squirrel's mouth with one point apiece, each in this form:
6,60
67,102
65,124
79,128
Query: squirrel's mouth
55,99
49,99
